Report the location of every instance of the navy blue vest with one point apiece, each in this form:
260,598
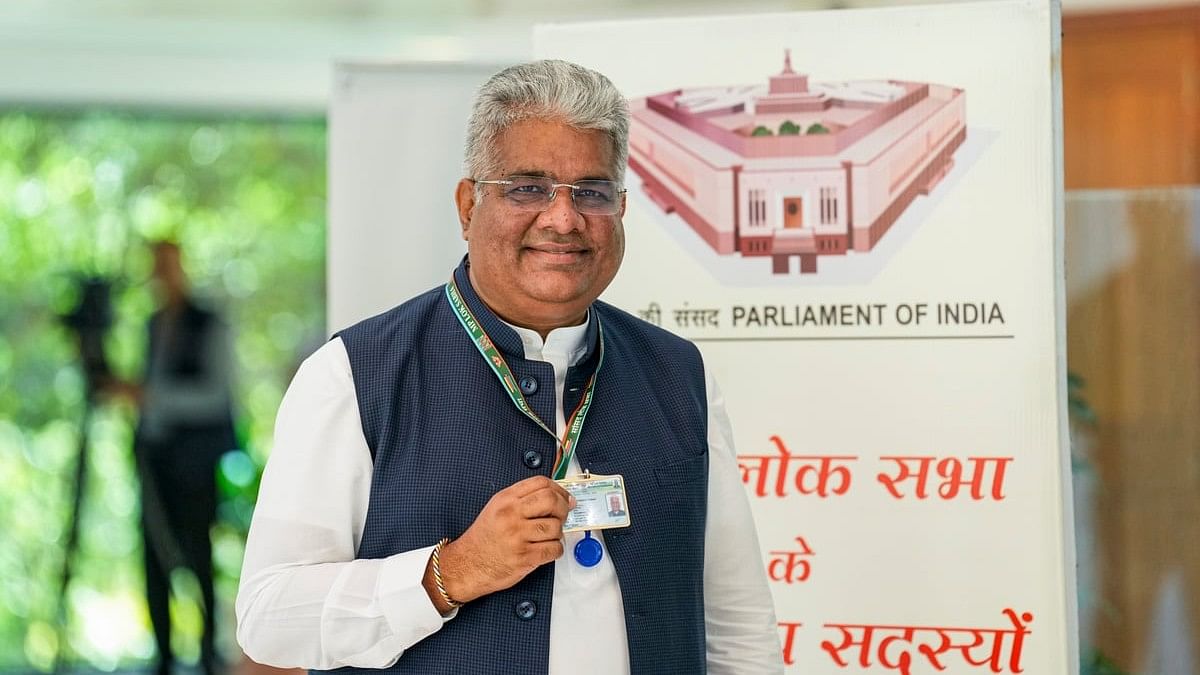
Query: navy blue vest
445,438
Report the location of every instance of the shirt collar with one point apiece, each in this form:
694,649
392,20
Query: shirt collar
564,344
579,342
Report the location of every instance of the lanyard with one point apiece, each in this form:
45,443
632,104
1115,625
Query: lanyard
565,448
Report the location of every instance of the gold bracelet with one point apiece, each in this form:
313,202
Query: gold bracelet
436,564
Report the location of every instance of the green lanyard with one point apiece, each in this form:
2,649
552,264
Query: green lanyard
565,448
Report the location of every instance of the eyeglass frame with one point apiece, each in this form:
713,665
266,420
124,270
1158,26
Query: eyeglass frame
509,180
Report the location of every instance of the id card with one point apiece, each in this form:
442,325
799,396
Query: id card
600,503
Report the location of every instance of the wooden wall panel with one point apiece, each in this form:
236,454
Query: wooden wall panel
1130,99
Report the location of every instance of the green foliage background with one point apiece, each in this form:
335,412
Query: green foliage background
82,193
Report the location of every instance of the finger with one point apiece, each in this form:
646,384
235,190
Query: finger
547,502
544,503
545,551
530,485
543,529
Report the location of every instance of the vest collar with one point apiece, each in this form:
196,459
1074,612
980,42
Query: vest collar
502,335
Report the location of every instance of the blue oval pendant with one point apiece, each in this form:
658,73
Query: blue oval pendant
588,551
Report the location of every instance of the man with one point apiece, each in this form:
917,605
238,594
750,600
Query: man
408,519
185,424
614,506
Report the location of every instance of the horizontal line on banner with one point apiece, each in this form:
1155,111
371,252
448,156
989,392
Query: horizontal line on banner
835,338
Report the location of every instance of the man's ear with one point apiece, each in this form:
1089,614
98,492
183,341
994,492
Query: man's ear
464,198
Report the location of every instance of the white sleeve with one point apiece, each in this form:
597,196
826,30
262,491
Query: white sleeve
304,601
739,614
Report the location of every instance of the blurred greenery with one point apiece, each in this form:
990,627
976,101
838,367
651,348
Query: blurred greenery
1096,663
81,194
1092,661
1077,404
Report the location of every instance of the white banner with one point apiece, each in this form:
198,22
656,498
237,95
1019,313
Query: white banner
857,216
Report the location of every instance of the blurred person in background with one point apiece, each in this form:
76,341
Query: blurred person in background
185,424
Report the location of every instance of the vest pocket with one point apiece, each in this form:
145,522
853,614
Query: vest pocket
682,472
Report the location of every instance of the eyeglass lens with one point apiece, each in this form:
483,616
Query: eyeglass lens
592,197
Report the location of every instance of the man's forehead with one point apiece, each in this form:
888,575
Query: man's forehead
539,173
553,149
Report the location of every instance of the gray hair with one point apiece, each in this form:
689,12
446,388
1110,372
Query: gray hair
548,89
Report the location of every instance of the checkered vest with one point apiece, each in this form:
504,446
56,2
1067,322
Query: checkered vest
445,437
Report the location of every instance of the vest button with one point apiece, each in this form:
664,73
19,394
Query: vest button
526,610
532,459
528,385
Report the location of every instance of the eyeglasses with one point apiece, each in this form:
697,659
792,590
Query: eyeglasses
534,193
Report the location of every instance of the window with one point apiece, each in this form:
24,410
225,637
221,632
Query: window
829,205
757,208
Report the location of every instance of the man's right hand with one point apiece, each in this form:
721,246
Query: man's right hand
519,530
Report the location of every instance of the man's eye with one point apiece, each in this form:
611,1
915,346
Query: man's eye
527,189
591,194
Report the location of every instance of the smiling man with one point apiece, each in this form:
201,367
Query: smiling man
428,506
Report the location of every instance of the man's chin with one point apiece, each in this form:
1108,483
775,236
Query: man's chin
552,286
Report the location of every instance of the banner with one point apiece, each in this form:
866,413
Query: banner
857,216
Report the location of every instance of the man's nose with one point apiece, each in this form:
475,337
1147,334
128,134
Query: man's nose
561,215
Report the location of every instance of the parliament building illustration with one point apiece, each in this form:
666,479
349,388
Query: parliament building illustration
795,168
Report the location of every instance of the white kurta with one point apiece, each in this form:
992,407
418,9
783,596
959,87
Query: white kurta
304,600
